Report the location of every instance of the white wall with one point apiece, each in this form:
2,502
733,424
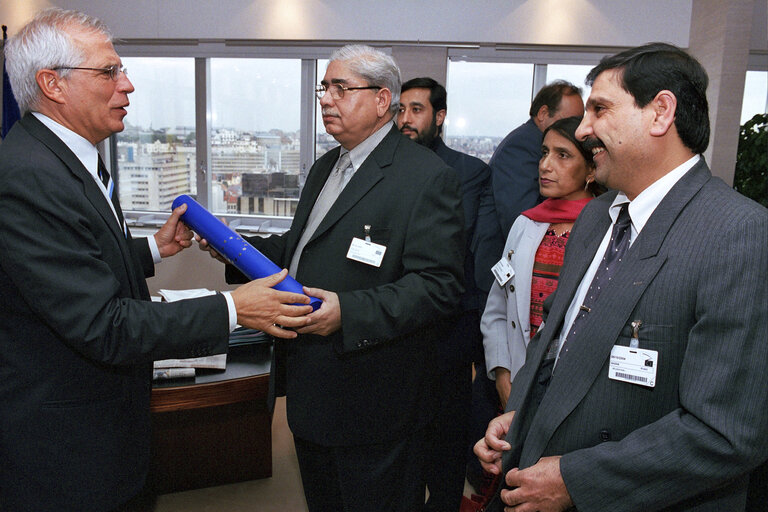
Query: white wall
559,22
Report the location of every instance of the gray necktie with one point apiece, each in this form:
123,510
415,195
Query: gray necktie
333,187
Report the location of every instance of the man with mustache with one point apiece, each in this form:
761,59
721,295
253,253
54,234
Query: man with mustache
78,332
421,115
646,389
378,236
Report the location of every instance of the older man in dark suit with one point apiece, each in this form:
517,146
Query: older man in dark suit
659,395
78,332
378,236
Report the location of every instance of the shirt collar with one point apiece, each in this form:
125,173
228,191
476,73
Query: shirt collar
641,209
82,148
362,151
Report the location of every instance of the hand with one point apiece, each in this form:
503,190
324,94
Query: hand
489,448
537,488
203,245
503,384
259,306
174,236
327,319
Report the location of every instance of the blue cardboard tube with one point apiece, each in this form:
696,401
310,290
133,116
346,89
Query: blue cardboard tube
249,260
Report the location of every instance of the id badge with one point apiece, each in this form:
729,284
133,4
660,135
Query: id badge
633,365
503,271
366,252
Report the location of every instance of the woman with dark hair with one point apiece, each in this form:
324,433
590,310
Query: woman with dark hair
534,251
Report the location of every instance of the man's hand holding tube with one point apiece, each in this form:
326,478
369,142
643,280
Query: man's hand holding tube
203,245
259,306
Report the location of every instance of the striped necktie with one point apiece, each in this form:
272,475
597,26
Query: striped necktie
109,184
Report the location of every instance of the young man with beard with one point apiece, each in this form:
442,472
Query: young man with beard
420,117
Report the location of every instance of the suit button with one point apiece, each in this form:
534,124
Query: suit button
511,288
605,435
514,325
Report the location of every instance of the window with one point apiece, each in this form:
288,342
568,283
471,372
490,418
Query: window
156,151
323,141
486,100
576,74
255,135
755,95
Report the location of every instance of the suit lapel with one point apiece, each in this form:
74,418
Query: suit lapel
577,369
312,188
91,190
363,180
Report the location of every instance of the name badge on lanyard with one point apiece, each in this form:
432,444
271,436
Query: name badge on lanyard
366,251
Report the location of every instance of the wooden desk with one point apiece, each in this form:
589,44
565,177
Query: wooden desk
214,429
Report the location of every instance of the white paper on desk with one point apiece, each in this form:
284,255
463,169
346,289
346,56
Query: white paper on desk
215,362
192,293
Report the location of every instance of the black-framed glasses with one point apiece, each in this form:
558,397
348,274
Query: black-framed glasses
337,90
112,71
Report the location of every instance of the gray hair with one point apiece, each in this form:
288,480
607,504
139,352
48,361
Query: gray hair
375,66
44,43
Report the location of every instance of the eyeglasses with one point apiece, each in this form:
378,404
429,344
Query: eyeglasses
337,90
112,71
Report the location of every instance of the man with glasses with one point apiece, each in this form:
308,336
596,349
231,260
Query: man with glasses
78,332
378,236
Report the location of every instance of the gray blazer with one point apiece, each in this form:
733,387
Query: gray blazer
697,277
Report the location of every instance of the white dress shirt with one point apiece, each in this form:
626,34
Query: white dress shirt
89,157
640,210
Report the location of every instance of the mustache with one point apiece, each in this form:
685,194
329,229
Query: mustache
409,127
329,112
591,143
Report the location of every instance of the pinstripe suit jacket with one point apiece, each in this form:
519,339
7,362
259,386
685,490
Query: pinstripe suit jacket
697,277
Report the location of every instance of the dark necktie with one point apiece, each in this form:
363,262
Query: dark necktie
617,248
105,179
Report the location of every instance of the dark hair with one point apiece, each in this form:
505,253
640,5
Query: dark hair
551,95
567,128
654,67
437,95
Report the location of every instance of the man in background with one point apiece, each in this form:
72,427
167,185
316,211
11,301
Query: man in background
421,116
656,332
78,332
515,163
378,236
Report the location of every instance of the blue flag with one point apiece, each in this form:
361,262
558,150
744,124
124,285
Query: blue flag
10,107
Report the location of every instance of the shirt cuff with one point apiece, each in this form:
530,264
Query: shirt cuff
231,309
154,249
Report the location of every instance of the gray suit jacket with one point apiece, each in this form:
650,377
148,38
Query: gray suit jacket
697,278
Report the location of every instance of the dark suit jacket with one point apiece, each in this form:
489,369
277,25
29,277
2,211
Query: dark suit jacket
697,277
372,381
456,345
77,334
515,173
